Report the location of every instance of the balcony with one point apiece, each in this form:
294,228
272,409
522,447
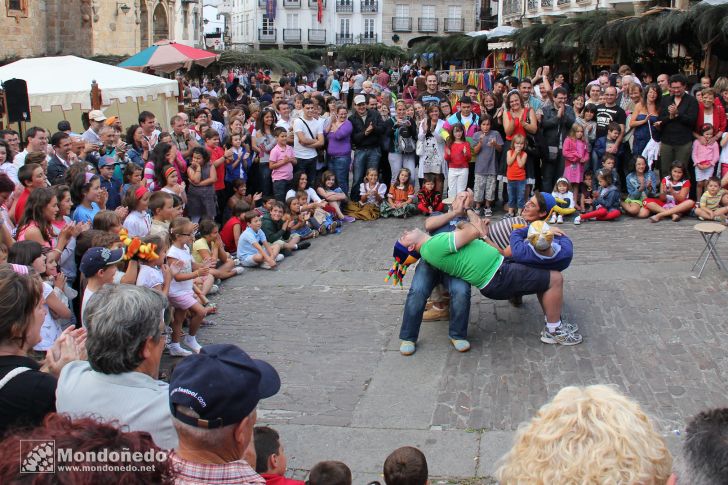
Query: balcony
342,39
317,36
427,24
368,38
292,36
314,3
457,25
547,3
344,6
563,3
368,6
292,3
401,24
267,36
532,5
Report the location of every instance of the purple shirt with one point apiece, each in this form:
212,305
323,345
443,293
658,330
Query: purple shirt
340,141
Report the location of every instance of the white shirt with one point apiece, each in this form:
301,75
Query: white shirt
285,124
138,224
149,276
9,169
181,288
315,128
312,195
87,294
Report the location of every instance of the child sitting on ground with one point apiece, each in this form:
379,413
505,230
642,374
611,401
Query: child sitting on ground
161,206
208,250
609,162
405,466
329,473
299,220
277,228
234,227
401,198
372,193
607,200
674,198
319,220
561,191
240,193
253,247
586,190
713,202
705,156
430,200
270,458
330,191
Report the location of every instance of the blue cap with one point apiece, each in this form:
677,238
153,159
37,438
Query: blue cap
222,385
550,201
107,161
95,259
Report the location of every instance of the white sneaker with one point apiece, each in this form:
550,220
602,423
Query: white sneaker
577,220
213,290
176,351
265,265
553,219
192,343
559,219
279,258
239,270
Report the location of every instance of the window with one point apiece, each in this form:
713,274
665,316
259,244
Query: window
17,8
344,27
368,28
291,20
268,26
428,11
454,12
401,10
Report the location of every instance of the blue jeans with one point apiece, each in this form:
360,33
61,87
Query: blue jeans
364,158
340,167
280,187
516,194
426,277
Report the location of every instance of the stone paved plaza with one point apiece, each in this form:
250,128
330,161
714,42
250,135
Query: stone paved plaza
328,322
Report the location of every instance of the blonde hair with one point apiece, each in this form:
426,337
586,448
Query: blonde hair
574,128
587,435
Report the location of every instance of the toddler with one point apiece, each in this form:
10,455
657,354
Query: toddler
562,192
181,289
713,202
299,220
705,156
430,200
606,199
516,174
586,190
488,144
457,155
319,220
604,144
609,162
253,247
401,198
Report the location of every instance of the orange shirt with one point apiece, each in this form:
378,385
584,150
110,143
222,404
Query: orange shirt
514,171
402,194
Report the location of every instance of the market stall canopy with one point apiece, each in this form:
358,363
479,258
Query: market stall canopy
168,56
502,31
66,81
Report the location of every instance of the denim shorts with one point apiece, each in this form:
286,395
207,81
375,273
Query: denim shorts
515,279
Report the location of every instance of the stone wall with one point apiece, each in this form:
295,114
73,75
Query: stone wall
23,36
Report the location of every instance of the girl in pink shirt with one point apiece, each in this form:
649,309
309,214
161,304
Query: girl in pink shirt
576,154
705,155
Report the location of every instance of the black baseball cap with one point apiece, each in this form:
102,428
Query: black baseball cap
222,384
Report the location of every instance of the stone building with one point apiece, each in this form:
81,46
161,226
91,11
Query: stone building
90,28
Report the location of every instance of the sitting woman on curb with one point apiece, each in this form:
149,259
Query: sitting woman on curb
641,184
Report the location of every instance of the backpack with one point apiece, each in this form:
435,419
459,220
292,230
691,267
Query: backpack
406,142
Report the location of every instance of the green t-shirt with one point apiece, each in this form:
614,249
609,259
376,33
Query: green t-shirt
475,263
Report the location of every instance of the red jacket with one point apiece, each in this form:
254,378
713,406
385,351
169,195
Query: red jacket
719,118
271,479
430,202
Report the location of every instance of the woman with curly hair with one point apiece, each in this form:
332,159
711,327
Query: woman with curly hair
587,435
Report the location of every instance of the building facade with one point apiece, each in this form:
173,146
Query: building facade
298,24
88,28
521,13
405,22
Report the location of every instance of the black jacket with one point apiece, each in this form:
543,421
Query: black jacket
679,130
372,140
56,171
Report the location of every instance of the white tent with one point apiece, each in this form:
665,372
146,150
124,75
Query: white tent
59,88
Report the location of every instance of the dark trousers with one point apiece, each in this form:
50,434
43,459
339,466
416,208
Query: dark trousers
307,165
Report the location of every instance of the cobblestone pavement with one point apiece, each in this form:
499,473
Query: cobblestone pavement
328,322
